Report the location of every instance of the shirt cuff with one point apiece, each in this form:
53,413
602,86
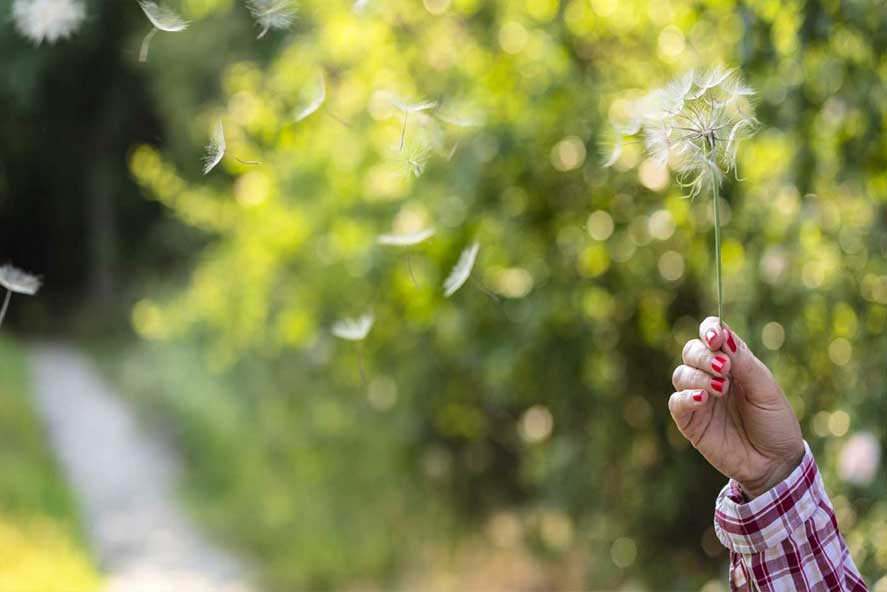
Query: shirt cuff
754,526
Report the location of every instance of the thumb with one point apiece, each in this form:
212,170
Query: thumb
747,370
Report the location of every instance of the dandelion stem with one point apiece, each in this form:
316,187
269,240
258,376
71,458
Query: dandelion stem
403,132
335,117
453,151
717,205
410,267
485,290
146,45
5,306
362,360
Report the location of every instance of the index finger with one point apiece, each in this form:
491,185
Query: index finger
711,334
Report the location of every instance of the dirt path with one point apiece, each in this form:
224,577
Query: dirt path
124,480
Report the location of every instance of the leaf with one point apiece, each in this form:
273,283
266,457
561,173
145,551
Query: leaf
315,103
406,240
162,17
354,329
462,271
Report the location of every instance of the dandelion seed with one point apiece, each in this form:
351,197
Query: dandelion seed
215,150
273,14
406,108
354,329
459,120
47,20
415,107
460,115
694,125
406,240
462,271
315,103
413,161
163,19
18,282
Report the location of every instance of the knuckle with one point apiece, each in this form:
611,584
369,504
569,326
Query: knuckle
699,351
677,406
708,321
673,402
688,348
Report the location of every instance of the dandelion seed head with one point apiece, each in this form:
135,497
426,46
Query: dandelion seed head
694,125
163,18
48,20
278,15
354,329
18,281
462,271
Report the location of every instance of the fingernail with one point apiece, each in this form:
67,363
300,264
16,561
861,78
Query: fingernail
698,396
718,384
731,342
718,363
710,336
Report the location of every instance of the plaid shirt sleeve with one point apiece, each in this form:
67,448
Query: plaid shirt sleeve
787,538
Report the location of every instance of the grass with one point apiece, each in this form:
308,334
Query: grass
41,540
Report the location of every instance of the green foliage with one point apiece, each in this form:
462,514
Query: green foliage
41,544
554,397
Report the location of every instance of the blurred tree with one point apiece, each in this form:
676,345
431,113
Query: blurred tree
69,113
548,404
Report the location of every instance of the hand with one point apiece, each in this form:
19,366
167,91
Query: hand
730,408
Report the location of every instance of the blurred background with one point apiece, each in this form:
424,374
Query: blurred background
514,436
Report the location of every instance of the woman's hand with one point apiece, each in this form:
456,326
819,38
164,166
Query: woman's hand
730,408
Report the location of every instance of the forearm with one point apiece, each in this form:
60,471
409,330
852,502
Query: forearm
787,538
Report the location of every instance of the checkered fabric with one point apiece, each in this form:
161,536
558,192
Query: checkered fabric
786,539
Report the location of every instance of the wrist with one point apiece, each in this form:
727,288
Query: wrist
777,473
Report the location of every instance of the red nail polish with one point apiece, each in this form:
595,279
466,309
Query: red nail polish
718,384
698,396
718,363
710,336
730,341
